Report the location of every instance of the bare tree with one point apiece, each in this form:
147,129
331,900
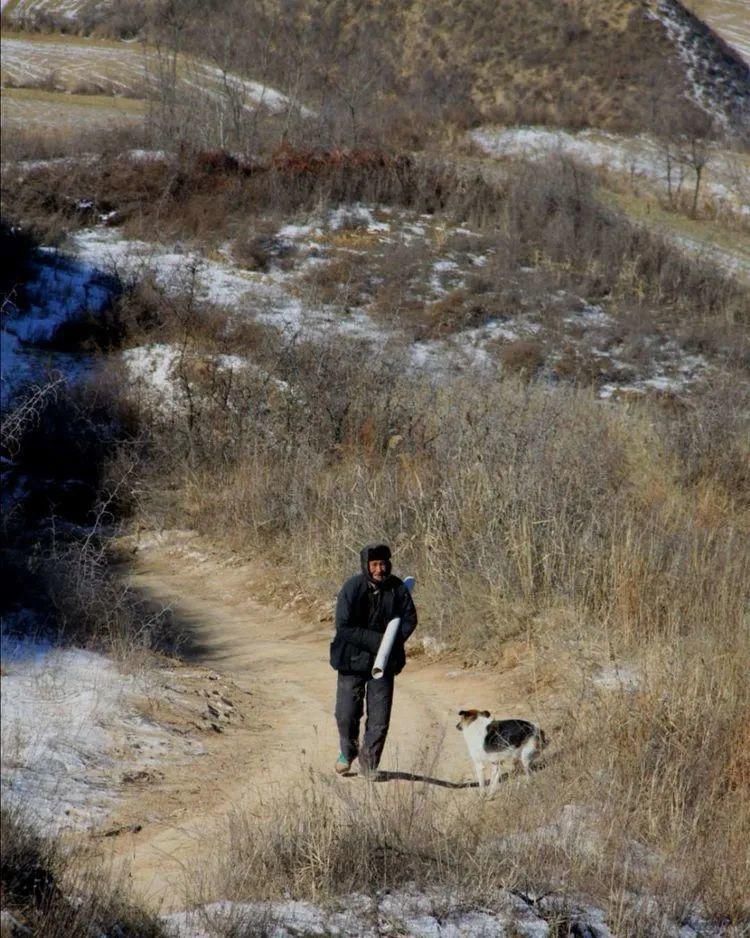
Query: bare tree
168,27
697,150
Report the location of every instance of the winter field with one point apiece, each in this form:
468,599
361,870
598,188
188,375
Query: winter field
68,8
520,355
729,18
67,64
71,84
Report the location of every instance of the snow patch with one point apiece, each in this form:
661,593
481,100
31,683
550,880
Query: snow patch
638,156
66,713
398,912
355,216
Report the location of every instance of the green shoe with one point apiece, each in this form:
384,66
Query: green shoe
342,764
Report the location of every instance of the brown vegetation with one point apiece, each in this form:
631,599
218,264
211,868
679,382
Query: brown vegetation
405,67
583,530
48,892
580,529
545,218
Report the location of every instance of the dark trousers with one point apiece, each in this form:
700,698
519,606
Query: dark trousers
352,692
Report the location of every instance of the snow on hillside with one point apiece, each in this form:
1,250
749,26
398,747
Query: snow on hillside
730,19
71,730
282,295
427,913
413,912
86,67
69,9
243,292
726,174
718,75
26,62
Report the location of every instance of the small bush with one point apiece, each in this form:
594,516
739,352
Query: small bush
710,440
317,843
452,313
523,358
258,251
342,280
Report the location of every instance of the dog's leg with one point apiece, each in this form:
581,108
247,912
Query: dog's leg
479,769
528,754
494,779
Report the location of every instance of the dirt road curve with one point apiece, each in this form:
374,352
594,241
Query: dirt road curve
279,664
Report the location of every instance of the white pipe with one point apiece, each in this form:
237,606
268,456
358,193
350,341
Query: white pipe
389,636
386,644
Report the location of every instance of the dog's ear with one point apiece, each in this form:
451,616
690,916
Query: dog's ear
462,713
485,713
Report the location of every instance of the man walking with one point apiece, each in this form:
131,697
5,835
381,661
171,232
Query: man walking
366,604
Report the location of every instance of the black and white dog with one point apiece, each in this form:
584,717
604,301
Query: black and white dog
499,742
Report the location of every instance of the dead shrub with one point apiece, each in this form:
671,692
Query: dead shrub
583,367
259,251
92,608
523,358
147,311
401,274
313,846
710,439
451,313
341,280
670,745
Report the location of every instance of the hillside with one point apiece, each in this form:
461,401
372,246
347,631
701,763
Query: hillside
626,65
279,279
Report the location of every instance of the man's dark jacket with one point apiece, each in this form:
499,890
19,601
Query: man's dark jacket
363,610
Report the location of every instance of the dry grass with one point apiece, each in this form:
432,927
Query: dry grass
588,532
523,358
507,492
638,803
42,143
53,892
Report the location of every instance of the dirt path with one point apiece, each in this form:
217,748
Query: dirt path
279,663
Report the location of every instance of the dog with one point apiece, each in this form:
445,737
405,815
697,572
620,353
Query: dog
499,741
